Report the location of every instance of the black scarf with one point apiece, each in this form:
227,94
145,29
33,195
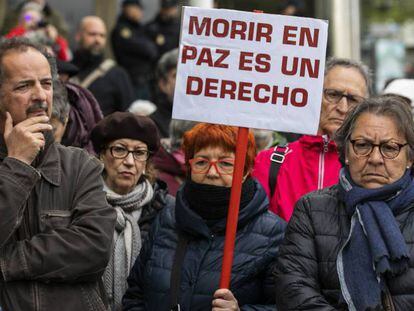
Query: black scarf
212,202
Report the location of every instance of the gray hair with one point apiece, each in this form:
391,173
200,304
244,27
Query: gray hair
384,105
61,105
21,44
167,62
177,130
349,63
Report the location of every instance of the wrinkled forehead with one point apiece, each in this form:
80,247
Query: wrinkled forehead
24,59
346,79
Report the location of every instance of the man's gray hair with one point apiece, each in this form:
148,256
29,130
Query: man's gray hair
349,63
21,44
167,62
384,105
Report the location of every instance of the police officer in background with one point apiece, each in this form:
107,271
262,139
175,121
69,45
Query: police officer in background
133,48
165,28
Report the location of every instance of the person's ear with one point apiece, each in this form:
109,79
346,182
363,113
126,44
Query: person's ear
100,157
161,85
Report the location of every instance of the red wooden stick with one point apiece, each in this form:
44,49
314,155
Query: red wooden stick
233,213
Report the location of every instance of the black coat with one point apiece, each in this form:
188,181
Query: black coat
257,242
165,34
306,274
113,90
134,50
160,199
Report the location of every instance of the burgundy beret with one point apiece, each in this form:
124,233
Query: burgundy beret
120,125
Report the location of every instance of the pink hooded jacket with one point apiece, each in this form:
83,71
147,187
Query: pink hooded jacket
311,163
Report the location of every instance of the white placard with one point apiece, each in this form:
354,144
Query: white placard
253,70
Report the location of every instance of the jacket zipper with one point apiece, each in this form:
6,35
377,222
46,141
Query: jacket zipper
57,213
321,170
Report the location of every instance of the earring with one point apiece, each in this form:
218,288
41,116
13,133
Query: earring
346,162
408,167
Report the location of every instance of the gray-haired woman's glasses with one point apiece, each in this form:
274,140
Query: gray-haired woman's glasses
388,149
119,152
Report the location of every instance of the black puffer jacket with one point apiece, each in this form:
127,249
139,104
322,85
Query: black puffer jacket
306,273
257,242
160,199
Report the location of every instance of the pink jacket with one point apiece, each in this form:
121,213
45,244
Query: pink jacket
311,163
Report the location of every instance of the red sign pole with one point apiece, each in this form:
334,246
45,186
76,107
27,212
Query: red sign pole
233,213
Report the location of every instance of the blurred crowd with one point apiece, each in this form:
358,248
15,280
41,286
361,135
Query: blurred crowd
106,202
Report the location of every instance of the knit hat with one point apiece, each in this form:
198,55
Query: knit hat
120,125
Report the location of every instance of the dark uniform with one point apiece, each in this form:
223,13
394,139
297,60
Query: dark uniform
113,89
136,52
165,33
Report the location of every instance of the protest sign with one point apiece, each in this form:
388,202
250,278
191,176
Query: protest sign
251,70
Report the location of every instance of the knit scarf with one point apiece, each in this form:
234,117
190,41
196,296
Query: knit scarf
375,246
127,239
212,202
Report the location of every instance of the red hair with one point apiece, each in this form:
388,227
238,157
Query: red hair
213,135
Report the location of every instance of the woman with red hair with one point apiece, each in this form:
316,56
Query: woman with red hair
180,263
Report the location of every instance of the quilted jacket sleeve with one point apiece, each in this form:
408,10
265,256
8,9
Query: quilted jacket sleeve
296,272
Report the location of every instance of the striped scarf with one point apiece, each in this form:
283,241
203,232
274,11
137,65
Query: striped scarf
127,239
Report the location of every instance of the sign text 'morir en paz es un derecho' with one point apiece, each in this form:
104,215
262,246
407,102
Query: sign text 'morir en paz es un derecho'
252,70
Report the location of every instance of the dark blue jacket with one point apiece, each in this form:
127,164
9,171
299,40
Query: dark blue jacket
258,237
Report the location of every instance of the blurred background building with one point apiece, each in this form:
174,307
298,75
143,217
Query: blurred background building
380,32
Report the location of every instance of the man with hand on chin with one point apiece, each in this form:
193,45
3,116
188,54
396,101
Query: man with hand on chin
54,220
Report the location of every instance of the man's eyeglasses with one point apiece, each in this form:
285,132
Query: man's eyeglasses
202,166
389,150
119,152
335,96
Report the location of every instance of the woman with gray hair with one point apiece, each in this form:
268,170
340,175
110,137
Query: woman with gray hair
350,246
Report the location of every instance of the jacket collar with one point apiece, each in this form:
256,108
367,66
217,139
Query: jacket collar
47,162
317,142
190,222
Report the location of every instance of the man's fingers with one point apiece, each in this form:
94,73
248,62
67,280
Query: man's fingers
30,121
39,127
39,136
8,125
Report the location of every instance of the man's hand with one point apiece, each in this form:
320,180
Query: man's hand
224,301
26,139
